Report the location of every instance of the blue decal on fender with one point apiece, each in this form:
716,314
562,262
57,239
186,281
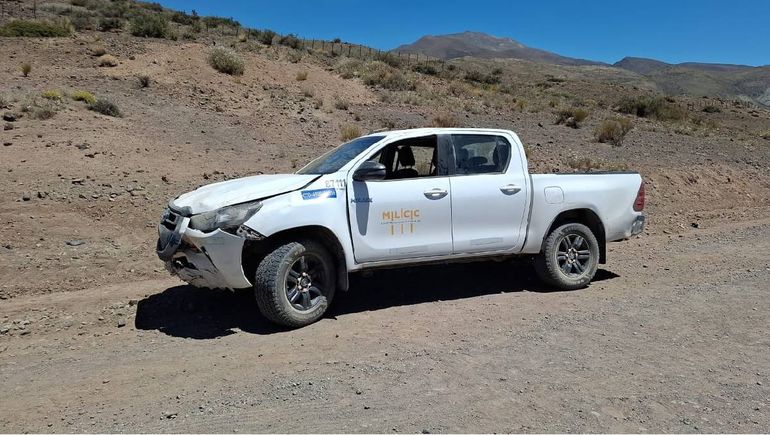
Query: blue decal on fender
319,194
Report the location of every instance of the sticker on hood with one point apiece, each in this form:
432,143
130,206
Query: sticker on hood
319,194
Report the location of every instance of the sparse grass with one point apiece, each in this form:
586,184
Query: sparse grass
105,107
37,109
764,134
26,68
521,104
378,73
226,61
52,94
444,120
308,92
341,104
318,102
144,80
301,76
108,60
30,28
83,96
349,132
149,26
712,109
613,131
659,108
571,117
586,164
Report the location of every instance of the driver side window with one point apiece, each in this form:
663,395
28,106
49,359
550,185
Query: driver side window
410,158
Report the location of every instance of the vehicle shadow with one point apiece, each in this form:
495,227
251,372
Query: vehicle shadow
189,312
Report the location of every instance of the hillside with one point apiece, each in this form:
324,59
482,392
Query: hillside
690,78
481,45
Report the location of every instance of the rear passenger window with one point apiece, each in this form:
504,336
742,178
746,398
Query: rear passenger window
480,154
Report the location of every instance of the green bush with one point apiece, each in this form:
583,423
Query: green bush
105,107
108,23
183,18
226,61
265,36
27,28
291,41
424,68
149,26
479,77
651,107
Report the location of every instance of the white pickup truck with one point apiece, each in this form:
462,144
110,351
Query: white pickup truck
394,199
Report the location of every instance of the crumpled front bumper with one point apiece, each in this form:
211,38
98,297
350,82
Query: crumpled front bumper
211,260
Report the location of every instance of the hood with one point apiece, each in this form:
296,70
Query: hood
217,195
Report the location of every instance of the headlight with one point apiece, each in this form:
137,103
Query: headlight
225,217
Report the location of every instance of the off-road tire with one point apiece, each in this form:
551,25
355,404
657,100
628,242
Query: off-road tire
270,283
547,264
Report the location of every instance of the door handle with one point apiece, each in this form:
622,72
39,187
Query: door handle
435,193
510,189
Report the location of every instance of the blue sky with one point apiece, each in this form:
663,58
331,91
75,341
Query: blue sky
736,31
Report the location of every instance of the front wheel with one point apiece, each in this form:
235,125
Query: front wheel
294,284
570,257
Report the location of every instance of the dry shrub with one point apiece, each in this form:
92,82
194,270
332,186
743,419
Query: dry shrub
613,130
444,120
226,61
144,80
571,117
301,76
98,50
765,134
52,94
26,68
29,28
108,60
658,108
105,107
341,104
584,164
349,132
83,96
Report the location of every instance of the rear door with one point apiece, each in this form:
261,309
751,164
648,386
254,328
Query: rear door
489,193
409,213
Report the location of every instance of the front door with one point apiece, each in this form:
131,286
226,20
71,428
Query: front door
408,214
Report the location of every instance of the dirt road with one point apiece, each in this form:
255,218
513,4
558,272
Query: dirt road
672,336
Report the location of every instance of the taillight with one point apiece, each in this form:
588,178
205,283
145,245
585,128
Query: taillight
639,201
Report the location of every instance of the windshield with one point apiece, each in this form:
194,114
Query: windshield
333,160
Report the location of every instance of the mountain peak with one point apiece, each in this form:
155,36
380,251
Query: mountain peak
483,45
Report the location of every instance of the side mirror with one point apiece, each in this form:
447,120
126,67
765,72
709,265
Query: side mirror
369,170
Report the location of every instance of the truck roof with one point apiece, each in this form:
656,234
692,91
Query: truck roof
436,130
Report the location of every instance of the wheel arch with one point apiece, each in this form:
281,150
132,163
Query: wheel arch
254,251
586,217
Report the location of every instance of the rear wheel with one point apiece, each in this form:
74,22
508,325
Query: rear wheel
294,284
570,257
